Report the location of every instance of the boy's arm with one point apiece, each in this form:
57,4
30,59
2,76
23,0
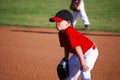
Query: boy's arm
66,53
81,58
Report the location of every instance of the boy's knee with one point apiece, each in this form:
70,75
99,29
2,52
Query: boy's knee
86,75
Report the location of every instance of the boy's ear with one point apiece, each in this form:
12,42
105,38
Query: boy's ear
69,22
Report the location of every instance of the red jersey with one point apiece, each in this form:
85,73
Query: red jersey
71,38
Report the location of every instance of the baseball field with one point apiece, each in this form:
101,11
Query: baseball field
29,45
33,53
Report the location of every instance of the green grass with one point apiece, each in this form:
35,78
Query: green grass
104,15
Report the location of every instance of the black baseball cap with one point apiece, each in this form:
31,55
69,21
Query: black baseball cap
62,15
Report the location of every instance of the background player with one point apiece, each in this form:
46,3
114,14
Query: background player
81,12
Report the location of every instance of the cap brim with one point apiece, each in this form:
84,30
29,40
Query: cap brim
55,19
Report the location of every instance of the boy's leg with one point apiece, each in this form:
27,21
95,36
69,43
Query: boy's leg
86,75
74,65
90,59
74,68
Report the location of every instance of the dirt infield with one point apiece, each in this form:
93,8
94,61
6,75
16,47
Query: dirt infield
32,54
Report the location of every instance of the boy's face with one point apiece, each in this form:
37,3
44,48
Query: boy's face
62,25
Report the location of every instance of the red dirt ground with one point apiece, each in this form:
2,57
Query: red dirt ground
32,54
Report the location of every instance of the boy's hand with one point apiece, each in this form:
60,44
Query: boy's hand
84,67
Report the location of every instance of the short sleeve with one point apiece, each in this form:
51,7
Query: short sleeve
74,41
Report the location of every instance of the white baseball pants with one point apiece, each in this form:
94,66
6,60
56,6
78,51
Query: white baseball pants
74,65
82,15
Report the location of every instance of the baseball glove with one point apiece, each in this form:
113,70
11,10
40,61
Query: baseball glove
74,5
63,69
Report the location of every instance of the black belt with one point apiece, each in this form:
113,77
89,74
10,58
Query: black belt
94,46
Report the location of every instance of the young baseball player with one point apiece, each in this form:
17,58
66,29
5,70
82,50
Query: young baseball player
81,13
84,50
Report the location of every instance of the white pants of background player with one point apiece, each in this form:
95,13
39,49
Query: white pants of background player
82,15
74,65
